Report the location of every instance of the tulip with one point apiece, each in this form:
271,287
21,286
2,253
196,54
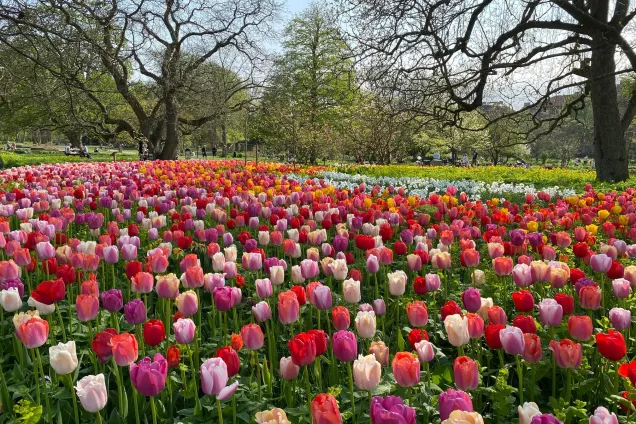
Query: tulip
603,416
125,349
478,277
466,373
63,357
523,301
184,330
414,262
532,351
502,266
406,369
417,313
580,327
322,298
324,410
303,349
33,332
567,353
527,411
381,352
621,288
252,336
425,351
288,370
92,393
620,318
611,345
264,288
351,291
379,307
10,299
112,300
187,303
512,340
149,377
469,258
453,400
475,326
551,312
373,264
471,299
600,263
340,318
142,282
135,312
522,275
367,372
432,282
274,416
288,307
214,376
391,410
397,283
590,297
463,417
365,324
545,419
167,286
496,315
261,311
223,298
339,269
345,346
457,330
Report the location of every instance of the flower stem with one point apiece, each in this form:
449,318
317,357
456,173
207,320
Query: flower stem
308,389
353,402
520,377
219,410
59,318
75,413
46,396
153,410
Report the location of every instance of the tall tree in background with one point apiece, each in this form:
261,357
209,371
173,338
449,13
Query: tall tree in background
460,52
163,41
311,88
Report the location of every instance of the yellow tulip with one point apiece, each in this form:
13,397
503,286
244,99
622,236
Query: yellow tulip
616,209
592,229
532,226
603,214
623,219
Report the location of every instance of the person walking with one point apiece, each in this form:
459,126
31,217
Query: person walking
204,152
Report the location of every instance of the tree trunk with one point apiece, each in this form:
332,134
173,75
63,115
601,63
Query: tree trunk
169,151
74,138
610,156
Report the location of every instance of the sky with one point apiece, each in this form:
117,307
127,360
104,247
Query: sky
296,6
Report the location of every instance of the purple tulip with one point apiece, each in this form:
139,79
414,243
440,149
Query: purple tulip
471,299
345,345
6,285
262,312
223,298
379,307
391,409
621,318
545,419
373,265
112,300
135,312
149,377
453,400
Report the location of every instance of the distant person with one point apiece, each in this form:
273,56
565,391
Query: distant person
67,149
214,152
85,151
141,149
475,155
436,156
204,152
233,154
465,160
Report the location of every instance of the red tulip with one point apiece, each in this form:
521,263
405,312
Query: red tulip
236,342
320,339
231,359
523,300
419,285
466,373
299,291
617,270
49,292
173,356
526,323
341,318
154,332
611,345
450,308
302,349
567,353
566,301
406,369
491,334
101,344
628,370
496,315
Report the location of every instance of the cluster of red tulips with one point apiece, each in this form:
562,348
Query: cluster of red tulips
212,291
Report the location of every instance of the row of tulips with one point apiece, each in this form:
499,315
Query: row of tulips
220,290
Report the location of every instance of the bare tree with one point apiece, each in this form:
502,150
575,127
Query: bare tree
445,57
149,47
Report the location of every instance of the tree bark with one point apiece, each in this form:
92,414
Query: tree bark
169,151
610,155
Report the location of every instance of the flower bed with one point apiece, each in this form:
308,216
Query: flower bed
203,291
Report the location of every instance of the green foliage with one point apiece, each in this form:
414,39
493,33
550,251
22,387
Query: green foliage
27,413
